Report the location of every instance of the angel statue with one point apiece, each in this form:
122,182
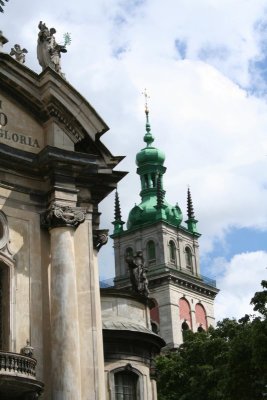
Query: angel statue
19,53
48,50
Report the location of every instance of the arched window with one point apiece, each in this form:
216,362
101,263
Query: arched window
188,258
185,314
201,318
126,385
151,251
154,316
129,252
4,307
172,250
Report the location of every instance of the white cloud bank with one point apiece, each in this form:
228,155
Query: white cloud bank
240,278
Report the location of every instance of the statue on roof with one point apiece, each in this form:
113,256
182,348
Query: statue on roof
48,50
138,272
18,53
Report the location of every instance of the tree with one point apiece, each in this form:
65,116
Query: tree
226,363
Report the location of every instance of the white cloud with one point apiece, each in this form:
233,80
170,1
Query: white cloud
240,278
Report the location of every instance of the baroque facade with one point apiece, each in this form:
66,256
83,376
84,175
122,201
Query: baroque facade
54,171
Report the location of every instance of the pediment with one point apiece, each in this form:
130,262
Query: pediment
45,110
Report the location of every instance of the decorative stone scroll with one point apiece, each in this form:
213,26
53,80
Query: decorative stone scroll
100,238
58,215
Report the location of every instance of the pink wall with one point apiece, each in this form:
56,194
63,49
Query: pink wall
185,311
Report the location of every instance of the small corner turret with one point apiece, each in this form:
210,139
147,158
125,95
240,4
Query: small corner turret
118,223
191,221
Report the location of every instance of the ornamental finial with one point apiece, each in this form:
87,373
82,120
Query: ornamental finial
148,138
146,98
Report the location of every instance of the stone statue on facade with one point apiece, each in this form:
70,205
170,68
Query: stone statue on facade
138,272
48,50
18,53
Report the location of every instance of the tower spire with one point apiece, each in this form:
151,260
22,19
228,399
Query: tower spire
190,208
191,221
118,223
148,138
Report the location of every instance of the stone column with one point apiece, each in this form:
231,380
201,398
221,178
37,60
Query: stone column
65,371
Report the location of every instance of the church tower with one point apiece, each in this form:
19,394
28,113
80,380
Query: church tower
183,298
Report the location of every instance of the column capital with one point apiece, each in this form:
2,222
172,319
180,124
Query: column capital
59,215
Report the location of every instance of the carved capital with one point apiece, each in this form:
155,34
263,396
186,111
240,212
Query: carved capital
58,215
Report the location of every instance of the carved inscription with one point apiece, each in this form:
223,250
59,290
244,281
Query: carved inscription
13,136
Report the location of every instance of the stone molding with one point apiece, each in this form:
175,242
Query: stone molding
62,216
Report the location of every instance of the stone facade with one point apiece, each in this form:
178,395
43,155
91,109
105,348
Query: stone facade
54,171
170,275
130,346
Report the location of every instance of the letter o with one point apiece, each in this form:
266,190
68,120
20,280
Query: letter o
3,119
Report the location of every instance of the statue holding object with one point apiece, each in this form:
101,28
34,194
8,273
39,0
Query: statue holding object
138,272
48,50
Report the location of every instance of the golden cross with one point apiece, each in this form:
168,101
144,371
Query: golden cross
146,97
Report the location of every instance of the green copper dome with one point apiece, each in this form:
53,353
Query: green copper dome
150,155
148,212
153,207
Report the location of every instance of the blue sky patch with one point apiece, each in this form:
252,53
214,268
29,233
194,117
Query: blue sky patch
181,47
213,52
238,240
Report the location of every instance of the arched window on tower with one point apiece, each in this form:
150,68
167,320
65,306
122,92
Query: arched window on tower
185,314
188,258
201,317
126,385
172,250
151,252
129,252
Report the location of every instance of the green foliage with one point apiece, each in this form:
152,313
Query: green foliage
228,362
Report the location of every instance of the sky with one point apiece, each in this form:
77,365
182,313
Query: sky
204,64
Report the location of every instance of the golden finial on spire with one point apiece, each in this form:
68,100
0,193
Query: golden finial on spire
146,98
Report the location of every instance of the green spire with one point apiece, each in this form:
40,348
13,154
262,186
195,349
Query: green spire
191,221
118,223
148,138
150,168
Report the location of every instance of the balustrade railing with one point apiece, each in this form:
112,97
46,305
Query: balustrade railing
17,364
109,283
